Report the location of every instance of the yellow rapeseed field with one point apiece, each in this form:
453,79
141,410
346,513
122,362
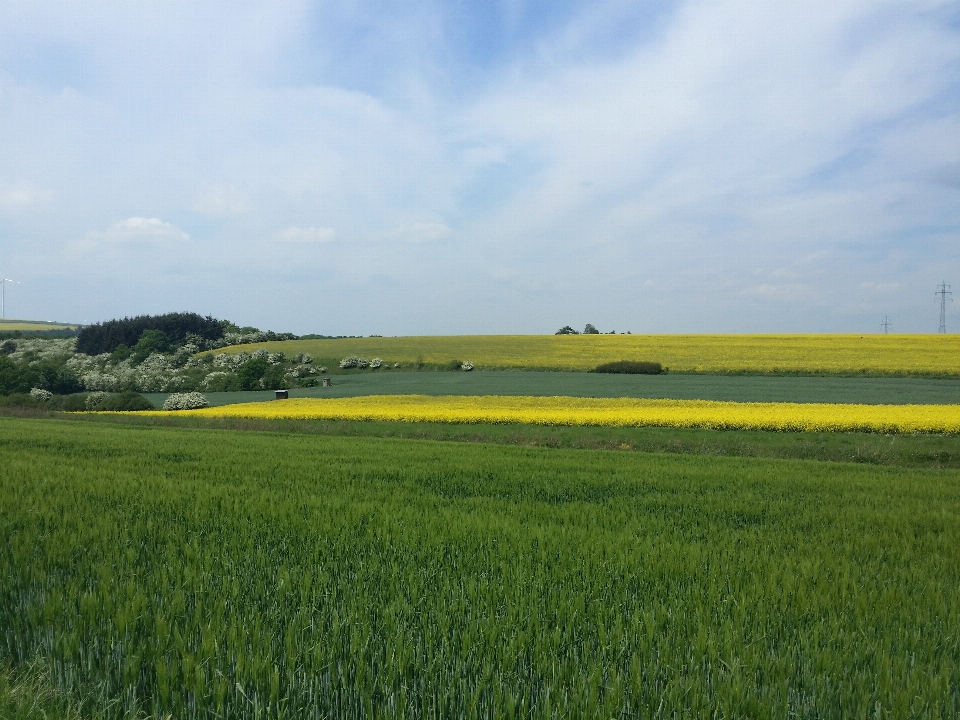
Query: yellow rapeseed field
748,354
605,411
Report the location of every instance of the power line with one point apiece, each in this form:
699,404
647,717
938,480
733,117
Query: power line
3,295
943,290
885,325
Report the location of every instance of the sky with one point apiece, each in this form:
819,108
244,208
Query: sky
483,166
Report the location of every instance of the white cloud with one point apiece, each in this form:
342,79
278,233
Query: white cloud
423,233
725,136
22,196
221,201
306,235
140,230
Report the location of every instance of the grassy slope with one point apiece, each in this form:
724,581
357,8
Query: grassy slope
812,354
458,580
891,391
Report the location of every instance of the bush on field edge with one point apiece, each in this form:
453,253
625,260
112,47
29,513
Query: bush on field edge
125,401
185,401
77,402
630,367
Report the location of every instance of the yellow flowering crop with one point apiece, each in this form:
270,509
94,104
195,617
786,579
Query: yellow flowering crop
750,354
605,411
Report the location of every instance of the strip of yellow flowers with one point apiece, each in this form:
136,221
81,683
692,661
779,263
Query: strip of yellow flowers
604,411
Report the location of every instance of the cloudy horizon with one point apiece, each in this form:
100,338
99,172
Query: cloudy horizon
483,167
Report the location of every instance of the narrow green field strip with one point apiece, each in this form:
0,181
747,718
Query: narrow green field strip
32,325
202,573
921,451
853,390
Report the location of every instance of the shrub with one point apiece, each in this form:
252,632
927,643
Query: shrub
219,381
251,373
57,378
125,401
630,367
376,363
95,399
453,365
76,403
275,378
467,366
40,395
15,378
19,400
185,401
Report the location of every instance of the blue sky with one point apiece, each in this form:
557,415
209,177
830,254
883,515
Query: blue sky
483,167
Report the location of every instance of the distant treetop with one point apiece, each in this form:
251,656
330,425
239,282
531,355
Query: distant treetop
105,337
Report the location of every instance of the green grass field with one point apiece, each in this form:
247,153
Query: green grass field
208,573
33,325
892,391
908,451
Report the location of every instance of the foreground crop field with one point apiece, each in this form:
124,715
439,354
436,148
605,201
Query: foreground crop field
611,412
217,574
935,355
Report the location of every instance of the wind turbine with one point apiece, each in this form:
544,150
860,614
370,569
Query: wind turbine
3,295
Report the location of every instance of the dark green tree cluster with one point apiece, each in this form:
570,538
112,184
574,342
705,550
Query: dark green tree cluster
47,375
567,330
107,336
253,371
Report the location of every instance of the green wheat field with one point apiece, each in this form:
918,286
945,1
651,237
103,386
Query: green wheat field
204,573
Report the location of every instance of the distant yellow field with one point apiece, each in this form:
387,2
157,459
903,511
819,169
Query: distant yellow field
32,325
816,354
618,412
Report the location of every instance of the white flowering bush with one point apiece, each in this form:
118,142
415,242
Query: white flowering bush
94,399
173,382
214,381
185,401
38,349
299,371
40,394
100,381
350,362
376,363
247,338
182,371
467,366
184,355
